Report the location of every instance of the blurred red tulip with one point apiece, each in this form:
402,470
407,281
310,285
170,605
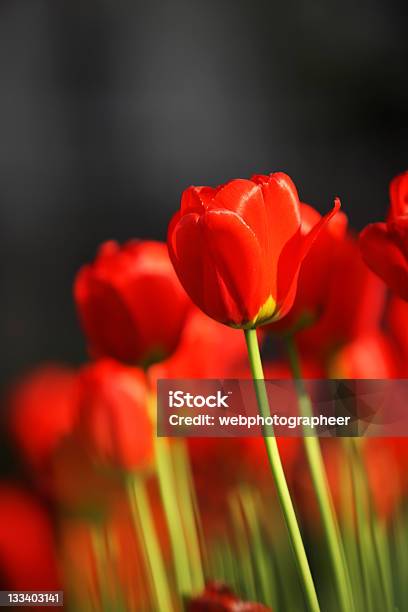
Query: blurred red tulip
384,246
130,302
114,421
316,270
353,306
76,481
28,558
368,356
397,326
43,410
237,248
220,598
206,349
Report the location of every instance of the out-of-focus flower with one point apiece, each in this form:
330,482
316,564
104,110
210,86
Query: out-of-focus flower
130,302
397,326
385,245
368,356
206,349
44,415
316,270
114,421
28,557
43,410
237,248
77,483
218,597
354,304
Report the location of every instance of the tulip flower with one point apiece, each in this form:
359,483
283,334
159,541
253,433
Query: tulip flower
237,248
220,598
114,422
352,307
384,246
206,349
368,356
28,556
397,326
130,303
316,270
43,410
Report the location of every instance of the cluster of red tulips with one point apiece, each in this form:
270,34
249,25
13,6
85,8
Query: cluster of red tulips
123,520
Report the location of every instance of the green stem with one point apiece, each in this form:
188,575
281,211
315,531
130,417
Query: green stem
243,548
279,475
173,517
99,548
383,559
144,522
189,509
363,534
322,490
265,571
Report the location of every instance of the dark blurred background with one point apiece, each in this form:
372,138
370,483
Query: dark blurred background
109,108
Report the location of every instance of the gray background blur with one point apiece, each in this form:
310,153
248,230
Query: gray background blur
108,109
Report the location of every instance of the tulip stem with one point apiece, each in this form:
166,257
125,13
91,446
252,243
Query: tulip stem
321,488
174,518
144,522
279,475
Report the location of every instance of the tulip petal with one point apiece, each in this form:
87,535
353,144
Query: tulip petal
237,259
292,257
245,198
383,256
105,316
219,264
283,220
191,201
399,196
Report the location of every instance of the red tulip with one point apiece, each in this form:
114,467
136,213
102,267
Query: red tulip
397,324
28,559
385,245
130,302
353,304
43,411
114,421
220,598
206,349
237,248
316,270
368,356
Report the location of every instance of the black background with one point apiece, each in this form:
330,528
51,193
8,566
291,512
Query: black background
109,109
